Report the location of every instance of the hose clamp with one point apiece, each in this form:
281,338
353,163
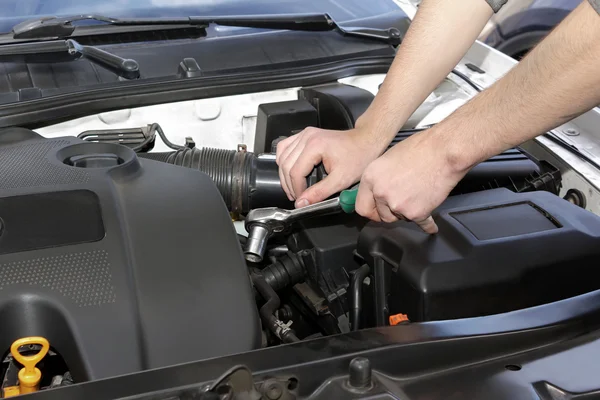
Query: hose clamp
237,180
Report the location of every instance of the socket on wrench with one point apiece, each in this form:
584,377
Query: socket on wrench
263,223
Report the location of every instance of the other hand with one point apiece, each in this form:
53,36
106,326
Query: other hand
408,182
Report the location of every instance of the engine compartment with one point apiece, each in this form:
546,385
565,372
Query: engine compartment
127,259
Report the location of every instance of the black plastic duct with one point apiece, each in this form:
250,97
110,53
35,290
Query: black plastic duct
245,180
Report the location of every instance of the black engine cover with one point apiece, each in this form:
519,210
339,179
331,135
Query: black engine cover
122,264
496,251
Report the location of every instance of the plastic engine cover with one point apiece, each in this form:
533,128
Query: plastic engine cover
122,264
496,251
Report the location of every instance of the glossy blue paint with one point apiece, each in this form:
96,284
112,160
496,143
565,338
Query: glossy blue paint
14,11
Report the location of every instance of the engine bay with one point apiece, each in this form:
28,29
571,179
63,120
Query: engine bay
126,258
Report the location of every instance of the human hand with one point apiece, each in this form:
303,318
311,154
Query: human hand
344,154
408,182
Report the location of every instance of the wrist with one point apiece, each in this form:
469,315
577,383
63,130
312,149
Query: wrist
458,157
364,138
374,131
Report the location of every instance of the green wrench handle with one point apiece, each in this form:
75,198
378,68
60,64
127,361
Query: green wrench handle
348,199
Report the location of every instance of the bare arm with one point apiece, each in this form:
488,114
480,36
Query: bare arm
440,34
557,81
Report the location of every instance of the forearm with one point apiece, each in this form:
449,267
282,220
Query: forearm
439,36
557,81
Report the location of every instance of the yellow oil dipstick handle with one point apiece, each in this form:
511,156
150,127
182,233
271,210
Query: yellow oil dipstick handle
29,375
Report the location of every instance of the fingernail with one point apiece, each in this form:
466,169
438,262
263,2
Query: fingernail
301,203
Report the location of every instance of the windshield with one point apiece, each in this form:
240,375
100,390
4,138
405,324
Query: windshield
15,11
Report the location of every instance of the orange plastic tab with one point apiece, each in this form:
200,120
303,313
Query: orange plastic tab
11,391
29,375
396,319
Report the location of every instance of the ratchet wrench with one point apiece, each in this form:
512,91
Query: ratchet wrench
264,223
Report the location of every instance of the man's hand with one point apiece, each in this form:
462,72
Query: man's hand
408,182
344,154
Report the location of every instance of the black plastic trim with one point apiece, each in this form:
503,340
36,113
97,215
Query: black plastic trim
128,94
404,357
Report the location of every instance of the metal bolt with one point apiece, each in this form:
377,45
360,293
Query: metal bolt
571,132
274,392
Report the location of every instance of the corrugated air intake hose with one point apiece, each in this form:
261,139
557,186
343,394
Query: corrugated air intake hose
245,180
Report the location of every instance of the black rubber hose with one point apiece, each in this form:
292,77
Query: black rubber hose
356,285
286,271
267,311
244,180
156,127
219,164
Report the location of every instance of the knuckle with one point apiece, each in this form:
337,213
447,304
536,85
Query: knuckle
421,216
359,209
290,139
287,166
379,193
414,214
366,178
315,140
407,213
295,174
281,146
362,210
388,219
397,208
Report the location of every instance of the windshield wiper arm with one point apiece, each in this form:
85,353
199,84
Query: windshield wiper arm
123,67
62,27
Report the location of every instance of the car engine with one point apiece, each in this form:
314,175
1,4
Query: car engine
106,254
127,259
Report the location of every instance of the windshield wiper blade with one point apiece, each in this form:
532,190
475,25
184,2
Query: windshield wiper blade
62,27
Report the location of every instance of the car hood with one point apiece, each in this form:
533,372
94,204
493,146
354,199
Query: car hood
15,11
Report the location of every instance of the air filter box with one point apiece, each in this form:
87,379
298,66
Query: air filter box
496,251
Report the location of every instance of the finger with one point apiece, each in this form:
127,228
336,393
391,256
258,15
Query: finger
283,146
310,157
280,160
365,203
290,162
398,215
284,185
289,146
284,170
282,150
320,191
384,211
428,225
